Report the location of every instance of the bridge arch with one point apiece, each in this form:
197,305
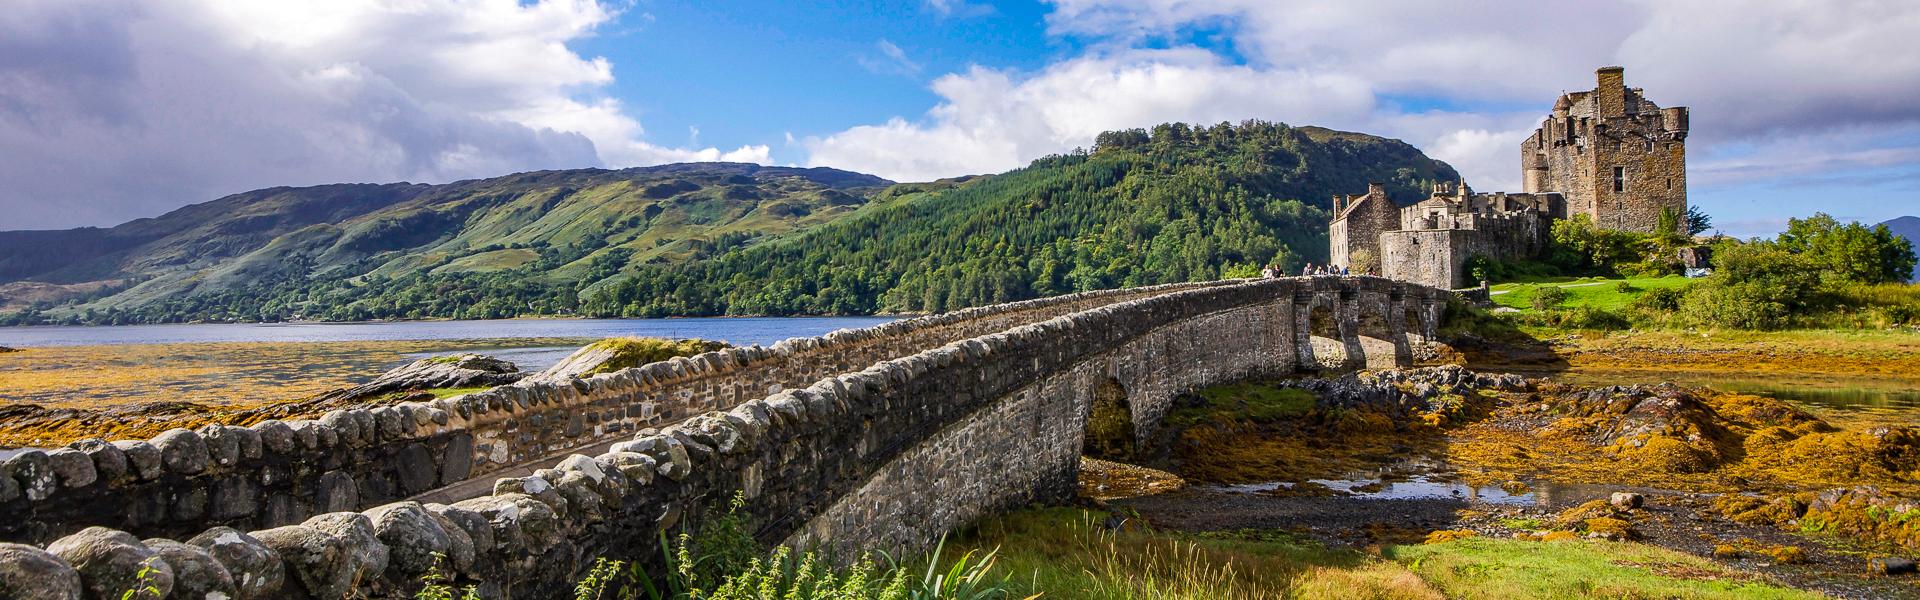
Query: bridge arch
1111,433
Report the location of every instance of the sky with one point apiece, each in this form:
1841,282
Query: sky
112,110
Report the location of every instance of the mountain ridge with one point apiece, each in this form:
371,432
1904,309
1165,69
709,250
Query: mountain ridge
552,241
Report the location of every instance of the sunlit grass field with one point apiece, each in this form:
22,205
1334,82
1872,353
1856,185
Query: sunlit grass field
1073,554
1589,292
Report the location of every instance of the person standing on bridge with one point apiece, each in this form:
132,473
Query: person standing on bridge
1306,270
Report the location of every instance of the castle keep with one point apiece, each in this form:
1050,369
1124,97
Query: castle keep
1608,153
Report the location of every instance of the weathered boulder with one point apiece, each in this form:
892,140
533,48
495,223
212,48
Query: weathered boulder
476,527
34,472
416,541
111,562
457,371
223,446
182,451
584,500
637,467
520,523
317,562
1627,500
369,555
254,567
614,354
540,488
608,480
196,574
276,437
73,467
143,460
29,573
109,462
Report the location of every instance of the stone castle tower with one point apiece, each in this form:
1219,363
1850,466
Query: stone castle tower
1608,153
1614,155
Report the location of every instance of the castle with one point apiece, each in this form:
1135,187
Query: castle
1608,153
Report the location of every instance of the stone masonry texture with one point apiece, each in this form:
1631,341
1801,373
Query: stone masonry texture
882,455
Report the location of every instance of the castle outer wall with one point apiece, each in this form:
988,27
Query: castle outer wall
1438,257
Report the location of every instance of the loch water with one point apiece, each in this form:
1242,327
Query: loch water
739,331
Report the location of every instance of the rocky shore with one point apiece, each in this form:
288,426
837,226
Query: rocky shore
1403,456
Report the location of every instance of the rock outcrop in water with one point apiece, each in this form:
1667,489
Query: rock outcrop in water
613,354
439,372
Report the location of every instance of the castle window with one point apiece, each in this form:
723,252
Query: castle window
1619,179
1669,183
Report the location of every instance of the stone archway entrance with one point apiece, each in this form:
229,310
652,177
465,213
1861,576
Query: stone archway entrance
1110,433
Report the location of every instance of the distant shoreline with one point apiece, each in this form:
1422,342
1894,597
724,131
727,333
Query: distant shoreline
900,315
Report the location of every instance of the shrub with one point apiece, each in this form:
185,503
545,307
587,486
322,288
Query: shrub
1664,300
1548,297
1756,286
1587,317
1580,247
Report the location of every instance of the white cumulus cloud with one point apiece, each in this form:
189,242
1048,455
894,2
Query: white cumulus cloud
992,120
1770,81
116,109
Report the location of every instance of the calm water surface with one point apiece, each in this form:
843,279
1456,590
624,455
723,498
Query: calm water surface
737,331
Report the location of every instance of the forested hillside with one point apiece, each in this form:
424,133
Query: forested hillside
1176,203
527,243
1173,204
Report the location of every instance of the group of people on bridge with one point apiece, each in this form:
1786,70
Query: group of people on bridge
1310,270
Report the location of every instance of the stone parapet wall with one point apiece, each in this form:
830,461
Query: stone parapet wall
278,473
890,456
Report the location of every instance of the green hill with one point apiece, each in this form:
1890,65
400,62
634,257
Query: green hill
1175,203
315,252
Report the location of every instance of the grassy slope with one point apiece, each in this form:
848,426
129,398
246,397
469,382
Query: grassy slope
661,213
1593,292
1069,555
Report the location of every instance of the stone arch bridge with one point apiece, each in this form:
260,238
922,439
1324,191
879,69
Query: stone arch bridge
874,438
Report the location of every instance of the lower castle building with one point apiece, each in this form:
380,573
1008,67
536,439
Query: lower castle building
1429,242
1608,153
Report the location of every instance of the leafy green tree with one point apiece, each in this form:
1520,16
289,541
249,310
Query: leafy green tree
1755,286
1851,251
